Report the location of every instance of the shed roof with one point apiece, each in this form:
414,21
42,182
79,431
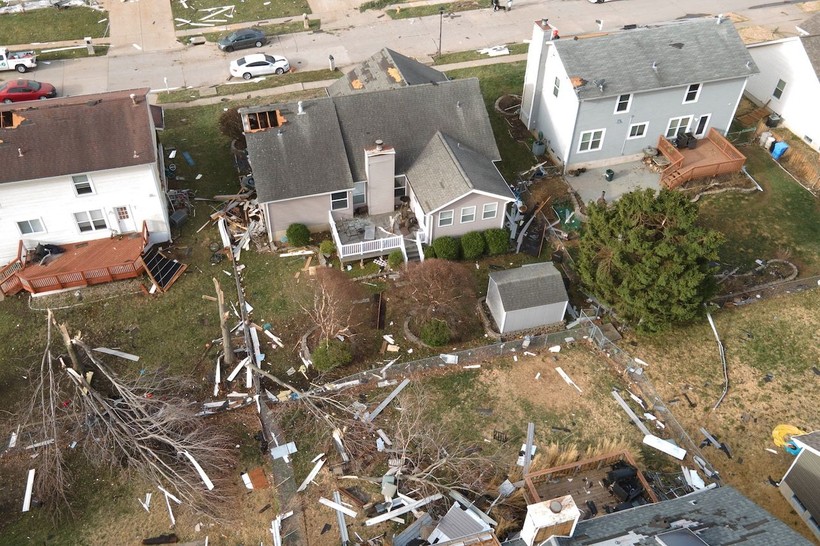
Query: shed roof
804,480
682,52
529,286
73,135
446,170
386,69
812,439
457,523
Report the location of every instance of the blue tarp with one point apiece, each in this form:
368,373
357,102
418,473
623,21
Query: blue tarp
779,149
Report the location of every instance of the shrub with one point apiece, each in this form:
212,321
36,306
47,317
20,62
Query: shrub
330,355
498,241
447,248
395,259
429,252
298,234
472,245
435,333
327,247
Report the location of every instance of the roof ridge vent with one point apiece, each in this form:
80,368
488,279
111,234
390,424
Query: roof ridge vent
719,18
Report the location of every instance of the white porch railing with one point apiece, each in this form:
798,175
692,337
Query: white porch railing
374,247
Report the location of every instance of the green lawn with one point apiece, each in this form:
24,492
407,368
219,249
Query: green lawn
435,9
50,25
782,222
473,55
245,11
292,27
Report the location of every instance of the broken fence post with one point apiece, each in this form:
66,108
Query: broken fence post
29,488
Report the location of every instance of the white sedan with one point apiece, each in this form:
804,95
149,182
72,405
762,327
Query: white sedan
258,64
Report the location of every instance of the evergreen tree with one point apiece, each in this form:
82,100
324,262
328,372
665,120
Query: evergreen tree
645,256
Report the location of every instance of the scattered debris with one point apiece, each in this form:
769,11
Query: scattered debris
665,446
338,507
313,473
120,354
147,502
368,418
449,359
631,413
29,488
403,510
566,378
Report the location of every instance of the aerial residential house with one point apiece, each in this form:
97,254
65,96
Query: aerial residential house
789,79
526,297
602,100
394,157
801,483
82,171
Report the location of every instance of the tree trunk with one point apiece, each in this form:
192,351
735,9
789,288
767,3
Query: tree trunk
69,345
223,323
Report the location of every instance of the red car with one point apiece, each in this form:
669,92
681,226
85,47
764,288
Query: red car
20,90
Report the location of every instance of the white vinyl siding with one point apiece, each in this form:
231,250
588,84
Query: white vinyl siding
677,125
591,141
445,218
692,93
82,185
623,103
91,220
489,211
338,200
29,227
637,130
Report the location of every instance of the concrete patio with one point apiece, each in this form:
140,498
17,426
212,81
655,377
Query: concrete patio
628,177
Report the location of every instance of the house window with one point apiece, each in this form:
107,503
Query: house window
778,90
467,215
338,200
490,211
359,197
677,125
622,105
91,220
798,504
591,140
399,187
82,184
556,86
637,130
692,93
27,227
445,218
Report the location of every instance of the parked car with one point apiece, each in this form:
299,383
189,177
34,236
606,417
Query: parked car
246,37
20,90
258,64
17,60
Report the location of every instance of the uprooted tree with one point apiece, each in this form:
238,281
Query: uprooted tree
334,304
646,256
141,424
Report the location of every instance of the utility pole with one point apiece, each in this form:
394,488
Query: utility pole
440,27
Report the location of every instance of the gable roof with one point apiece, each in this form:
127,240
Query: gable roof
683,53
803,479
384,70
445,170
72,135
717,516
322,150
529,286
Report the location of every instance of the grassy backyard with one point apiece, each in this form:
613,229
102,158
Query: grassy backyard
194,10
435,9
473,55
49,25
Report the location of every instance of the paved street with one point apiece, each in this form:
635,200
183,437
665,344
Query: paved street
144,51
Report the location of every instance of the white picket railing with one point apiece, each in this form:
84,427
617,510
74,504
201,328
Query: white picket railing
376,246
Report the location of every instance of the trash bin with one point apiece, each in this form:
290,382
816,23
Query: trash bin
609,174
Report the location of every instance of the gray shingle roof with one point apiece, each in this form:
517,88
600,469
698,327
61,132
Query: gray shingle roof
446,170
804,480
718,516
684,52
307,158
72,135
812,46
530,286
812,439
384,70
322,150
457,523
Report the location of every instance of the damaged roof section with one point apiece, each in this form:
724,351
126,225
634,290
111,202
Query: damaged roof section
385,70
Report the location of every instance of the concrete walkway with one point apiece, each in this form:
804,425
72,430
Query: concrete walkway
140,26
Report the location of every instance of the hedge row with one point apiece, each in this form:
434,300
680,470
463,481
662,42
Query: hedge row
470,246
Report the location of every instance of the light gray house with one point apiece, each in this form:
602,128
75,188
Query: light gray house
383,163
801,484
526,297
601,100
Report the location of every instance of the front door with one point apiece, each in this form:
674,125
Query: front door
703,123
126,222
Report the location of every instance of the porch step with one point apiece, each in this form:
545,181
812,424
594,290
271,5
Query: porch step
412,251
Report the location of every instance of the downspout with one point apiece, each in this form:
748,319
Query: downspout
572,135
623,146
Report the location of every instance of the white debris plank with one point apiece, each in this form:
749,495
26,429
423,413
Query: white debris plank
29,488
246,480
458,497
403,510
120,354
631,414
341,520
310,476
567,378
386,401
666,447
239,366
170,512
338,507
169,494
384,437
276,531
205,479
528,447
147,502
282,452
296,253
217,377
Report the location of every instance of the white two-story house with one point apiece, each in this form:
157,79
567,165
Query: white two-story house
601,100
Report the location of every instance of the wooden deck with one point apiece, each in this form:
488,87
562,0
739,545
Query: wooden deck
82,264
713,156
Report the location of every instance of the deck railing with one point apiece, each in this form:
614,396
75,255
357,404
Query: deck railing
676,174
365,248
9,283
79,279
